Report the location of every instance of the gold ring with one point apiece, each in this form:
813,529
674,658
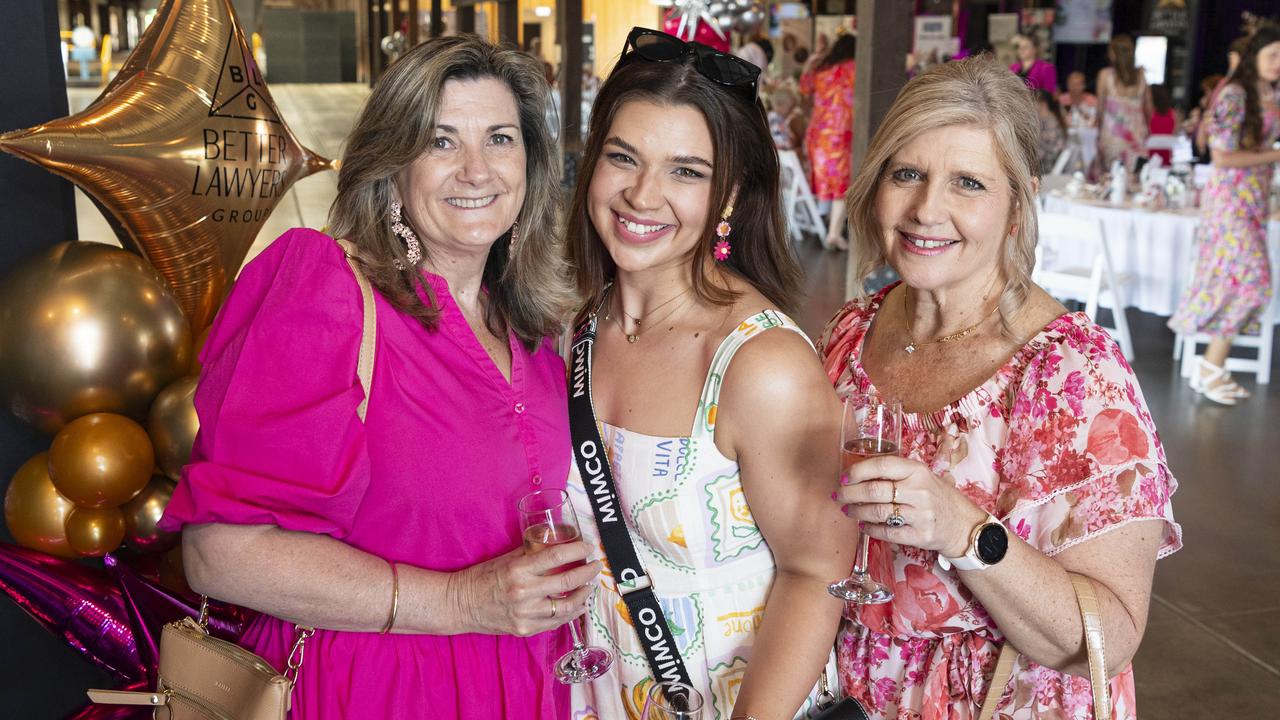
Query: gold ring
894,500
553,607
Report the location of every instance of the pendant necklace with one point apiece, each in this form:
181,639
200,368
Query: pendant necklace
912,345
633,337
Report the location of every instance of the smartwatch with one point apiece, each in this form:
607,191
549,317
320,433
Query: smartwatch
988,543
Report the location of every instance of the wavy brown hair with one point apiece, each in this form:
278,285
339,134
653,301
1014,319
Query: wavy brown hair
1120,52
528,289
979,92
743,155
1246,76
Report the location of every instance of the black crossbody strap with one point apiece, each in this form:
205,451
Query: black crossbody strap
593,465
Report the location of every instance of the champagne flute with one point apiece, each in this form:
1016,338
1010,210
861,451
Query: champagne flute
672,701
871,426
547,519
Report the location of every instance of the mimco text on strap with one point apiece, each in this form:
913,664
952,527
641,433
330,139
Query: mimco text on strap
632,581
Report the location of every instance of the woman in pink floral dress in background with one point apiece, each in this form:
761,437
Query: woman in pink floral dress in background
1022,424
1232,282
829,139
1125,102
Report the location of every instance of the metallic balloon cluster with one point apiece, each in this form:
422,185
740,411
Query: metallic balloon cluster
95,349
708,21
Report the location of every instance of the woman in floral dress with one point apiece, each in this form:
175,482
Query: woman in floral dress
1021,422
1232,282
829,139
1125,100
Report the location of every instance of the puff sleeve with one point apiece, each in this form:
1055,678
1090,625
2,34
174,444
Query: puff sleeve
280,442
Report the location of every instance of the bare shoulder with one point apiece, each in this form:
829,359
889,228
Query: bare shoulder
1039,310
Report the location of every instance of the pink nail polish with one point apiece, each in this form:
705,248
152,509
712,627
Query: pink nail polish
844,509
833,495
844,479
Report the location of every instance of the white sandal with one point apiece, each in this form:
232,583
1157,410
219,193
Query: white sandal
1216,384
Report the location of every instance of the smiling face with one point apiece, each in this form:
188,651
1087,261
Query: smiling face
467,188
651,188
944,206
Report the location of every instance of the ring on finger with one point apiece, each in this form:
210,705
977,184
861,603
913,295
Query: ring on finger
894,500
553,607
895,519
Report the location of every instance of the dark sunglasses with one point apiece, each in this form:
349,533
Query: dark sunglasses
721,68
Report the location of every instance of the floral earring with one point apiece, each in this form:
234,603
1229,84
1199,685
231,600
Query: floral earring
722,247
515,237
413,249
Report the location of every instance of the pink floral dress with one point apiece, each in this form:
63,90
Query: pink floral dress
1059,446
1123,135
1232,281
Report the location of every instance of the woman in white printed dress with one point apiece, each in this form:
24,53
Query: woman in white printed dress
720,426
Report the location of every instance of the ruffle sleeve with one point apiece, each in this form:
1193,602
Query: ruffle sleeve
1083,456
841,336
1225,118
280,442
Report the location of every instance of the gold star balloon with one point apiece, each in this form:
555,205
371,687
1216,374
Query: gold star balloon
185,151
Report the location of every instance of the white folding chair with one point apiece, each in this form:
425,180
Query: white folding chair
1096,284
797,198
1060,165
1188,347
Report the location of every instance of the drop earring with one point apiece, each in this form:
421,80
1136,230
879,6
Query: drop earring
412,248
722,246
515,237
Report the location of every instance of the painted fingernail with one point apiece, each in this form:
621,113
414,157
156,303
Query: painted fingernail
862,525
844,479
833,494
844,509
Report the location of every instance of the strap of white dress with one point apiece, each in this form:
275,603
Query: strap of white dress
704,425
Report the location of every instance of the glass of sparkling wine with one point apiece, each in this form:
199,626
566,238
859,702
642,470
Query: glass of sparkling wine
871,426
672,701
547,519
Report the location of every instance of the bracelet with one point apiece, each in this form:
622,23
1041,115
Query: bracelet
395,599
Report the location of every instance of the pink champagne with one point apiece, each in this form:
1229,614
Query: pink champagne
546,535
855,451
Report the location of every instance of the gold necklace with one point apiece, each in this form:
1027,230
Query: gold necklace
912,345
633,337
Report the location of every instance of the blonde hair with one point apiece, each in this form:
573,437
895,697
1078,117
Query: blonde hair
529,291
976,91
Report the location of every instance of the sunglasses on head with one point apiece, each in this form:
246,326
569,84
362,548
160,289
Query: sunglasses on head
720,68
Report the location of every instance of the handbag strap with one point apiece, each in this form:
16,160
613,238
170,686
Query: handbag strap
633,583
1094,644
368,346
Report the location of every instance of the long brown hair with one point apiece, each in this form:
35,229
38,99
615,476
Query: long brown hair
528,289
1246,76
1121,52
977,91
743,155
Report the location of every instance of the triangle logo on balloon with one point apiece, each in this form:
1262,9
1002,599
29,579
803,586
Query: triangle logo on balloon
241,92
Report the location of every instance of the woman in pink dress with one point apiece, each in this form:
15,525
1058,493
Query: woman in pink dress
829,139
1125,102
1036,72
1232,281
1028,452
397,536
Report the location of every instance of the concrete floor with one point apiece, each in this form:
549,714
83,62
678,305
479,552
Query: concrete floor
1212,647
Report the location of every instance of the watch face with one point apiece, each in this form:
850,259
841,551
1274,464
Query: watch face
993,542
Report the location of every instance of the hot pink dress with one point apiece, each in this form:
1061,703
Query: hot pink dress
1059,446
431,478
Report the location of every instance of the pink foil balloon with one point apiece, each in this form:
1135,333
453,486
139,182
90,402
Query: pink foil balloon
76,602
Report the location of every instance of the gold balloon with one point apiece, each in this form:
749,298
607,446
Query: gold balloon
84,328
142,513
94,532
185,151
35,512
172,425
101,460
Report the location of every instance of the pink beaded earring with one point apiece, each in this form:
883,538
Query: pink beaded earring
722,247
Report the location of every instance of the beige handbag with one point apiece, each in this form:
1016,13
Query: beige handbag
1093,639
204,678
